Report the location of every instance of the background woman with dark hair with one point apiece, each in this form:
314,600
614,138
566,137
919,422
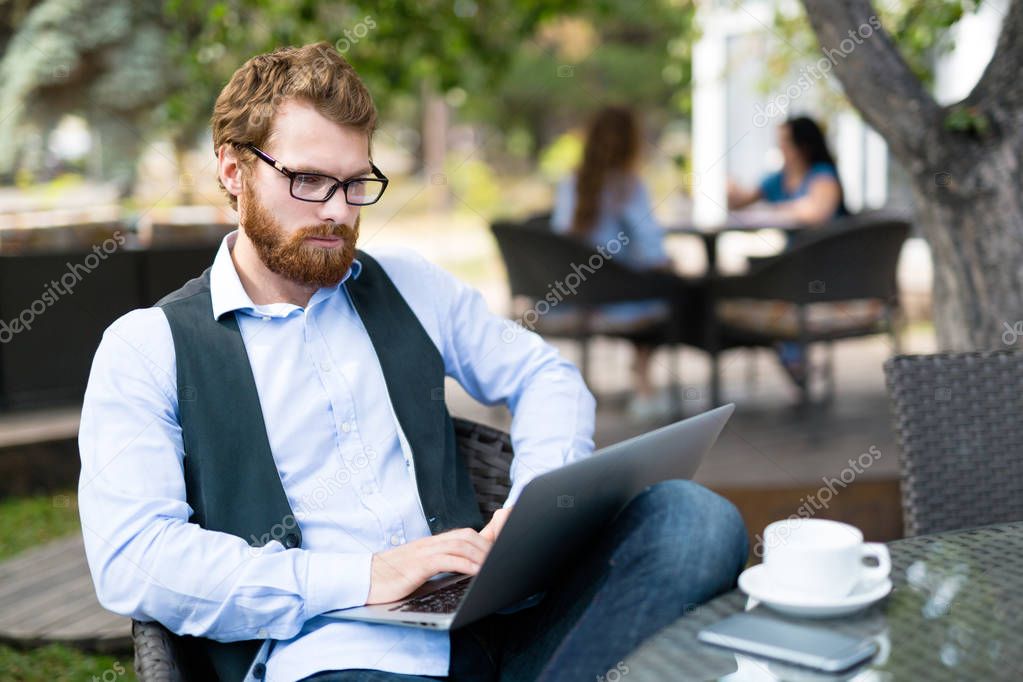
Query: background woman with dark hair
604,199
807,189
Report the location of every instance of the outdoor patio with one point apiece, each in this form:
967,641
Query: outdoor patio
806,210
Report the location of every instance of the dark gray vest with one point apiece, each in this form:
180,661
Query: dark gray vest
231,481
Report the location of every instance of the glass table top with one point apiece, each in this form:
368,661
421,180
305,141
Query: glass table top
955,613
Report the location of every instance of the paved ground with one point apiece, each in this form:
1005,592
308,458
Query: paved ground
769,442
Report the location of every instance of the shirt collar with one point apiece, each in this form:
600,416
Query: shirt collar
227,293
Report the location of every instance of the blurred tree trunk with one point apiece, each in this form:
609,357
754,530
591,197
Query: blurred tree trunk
186,182
964,161
435,145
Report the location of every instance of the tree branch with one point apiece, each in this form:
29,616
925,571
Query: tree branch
875,77
1001,80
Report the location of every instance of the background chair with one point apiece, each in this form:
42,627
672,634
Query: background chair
183,234
160,655
69,293
48,362
165,268
536,258
849,265
958,420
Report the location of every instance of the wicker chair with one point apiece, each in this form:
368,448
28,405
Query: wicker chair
957,419
534,256
850,260
488,453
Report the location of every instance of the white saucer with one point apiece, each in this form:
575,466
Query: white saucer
753,582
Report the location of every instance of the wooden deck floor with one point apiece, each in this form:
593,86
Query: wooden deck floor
47,596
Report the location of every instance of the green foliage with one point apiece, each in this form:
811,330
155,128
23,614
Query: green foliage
641,57
474,184
397,45
103,59
31,521
967,120
529,69
502,56
920,29
561,157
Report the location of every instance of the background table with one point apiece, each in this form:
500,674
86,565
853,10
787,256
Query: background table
710,234
956,613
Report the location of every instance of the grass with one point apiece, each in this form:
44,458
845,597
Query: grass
57,662
29,522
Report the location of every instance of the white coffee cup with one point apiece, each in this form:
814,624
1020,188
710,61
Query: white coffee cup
821,558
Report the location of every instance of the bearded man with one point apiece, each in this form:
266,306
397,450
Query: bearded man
270,441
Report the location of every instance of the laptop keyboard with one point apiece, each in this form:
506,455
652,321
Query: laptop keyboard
444,600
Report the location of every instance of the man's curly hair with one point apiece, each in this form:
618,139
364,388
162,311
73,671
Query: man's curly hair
316,74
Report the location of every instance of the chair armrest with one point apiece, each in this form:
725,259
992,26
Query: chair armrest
156,657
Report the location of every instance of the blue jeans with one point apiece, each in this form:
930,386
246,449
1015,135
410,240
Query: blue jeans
674,546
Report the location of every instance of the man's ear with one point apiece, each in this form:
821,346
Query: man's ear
229,169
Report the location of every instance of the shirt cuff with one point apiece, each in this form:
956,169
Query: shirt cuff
336,581
513,496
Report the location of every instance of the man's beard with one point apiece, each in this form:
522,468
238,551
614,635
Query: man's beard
290,255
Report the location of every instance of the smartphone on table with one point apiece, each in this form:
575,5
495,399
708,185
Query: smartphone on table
795,643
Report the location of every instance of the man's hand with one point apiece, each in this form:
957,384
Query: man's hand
491,530
397,572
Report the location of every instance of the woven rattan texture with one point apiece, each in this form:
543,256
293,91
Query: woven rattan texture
958,418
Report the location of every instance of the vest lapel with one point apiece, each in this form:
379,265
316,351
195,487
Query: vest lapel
231,478
415,384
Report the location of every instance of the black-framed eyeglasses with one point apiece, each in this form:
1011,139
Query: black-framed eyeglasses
309,186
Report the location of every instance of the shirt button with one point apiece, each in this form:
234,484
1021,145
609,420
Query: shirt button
396,539
346,427
367,488
325,366
290,541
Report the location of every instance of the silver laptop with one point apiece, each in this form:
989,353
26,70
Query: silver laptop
557,514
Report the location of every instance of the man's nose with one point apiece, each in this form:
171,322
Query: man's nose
337,210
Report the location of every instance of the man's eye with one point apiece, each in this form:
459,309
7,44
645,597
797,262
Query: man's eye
308,182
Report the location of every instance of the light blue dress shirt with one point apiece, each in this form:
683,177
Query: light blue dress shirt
345,464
